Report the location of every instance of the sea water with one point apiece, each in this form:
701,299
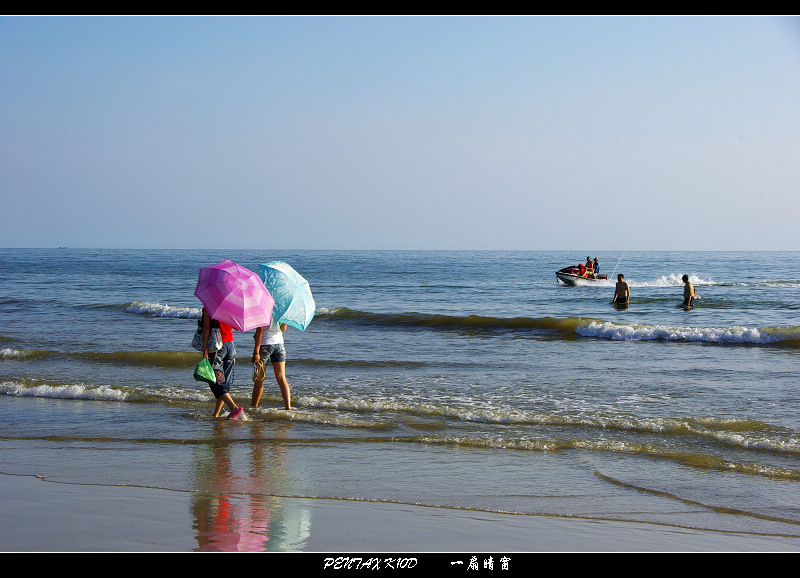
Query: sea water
455,379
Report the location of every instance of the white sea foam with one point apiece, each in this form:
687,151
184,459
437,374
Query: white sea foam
159,310
326,310
76,391
615,331
671,280
8,353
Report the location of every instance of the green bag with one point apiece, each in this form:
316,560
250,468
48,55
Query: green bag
204,372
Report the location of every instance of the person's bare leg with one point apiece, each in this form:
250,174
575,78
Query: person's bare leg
258,389
227,399
279,367
218,406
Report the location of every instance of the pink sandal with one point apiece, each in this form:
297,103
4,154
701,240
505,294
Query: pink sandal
236,413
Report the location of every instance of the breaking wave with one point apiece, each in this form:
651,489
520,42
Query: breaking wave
159,310
568,327
746,335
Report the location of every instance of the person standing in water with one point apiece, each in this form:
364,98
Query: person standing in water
222,362
689,293
269,347
622,293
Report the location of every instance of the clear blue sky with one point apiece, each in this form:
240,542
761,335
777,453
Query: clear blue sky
597,133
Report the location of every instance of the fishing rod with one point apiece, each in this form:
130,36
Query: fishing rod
617,265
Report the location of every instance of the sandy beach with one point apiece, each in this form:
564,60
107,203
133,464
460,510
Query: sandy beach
42,516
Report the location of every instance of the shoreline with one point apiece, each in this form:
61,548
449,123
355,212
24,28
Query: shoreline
45,516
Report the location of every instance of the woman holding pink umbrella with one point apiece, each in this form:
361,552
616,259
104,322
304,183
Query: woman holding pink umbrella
235,298
222,362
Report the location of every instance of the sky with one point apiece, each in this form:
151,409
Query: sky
518,133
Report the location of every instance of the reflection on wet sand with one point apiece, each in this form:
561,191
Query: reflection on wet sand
240,480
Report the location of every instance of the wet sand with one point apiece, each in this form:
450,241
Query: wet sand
37,515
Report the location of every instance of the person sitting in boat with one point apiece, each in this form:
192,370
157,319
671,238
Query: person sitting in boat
596,267
589,268
581,270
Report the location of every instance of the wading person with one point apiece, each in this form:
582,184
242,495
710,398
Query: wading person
269,347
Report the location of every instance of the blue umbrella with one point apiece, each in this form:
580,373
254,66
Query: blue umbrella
294,304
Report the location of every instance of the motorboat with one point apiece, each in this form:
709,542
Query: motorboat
576,273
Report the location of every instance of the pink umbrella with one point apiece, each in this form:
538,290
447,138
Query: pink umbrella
234,295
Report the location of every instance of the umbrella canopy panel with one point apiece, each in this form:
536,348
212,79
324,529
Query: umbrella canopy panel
294,304
234,295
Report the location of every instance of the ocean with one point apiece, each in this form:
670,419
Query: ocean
463,380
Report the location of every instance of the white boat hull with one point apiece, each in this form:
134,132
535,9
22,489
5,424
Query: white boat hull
569,278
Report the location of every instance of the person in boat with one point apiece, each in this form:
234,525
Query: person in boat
622,293
689,292
586,270
596,267
591,268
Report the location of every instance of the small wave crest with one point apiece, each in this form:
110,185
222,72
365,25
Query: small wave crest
9,353
444,322
675,280
81,391
614,331
140,358
569,327
159,310
23,354
671,280
74,391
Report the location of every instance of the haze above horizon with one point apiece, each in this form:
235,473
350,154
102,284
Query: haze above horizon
539,133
